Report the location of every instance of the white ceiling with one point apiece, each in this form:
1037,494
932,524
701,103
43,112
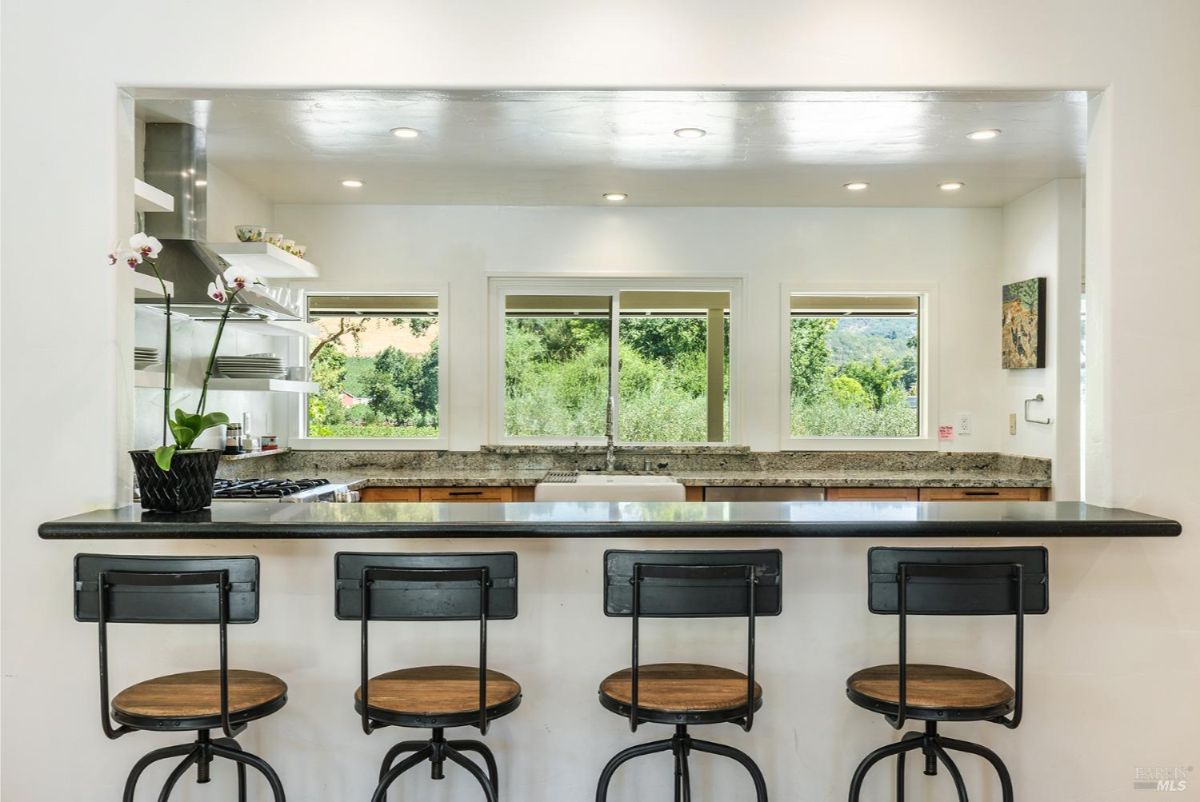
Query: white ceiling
763,148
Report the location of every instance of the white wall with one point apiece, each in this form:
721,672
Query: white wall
231,203
1115,686
1043,237
954,251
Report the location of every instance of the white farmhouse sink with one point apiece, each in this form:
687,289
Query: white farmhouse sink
611,487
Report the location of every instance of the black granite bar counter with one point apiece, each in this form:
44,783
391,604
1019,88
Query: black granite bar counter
803,519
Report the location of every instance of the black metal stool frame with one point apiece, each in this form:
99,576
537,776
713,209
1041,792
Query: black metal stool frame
748,572
445,578
957,582
179,593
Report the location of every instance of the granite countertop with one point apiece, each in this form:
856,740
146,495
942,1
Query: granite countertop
518,478
712,466
755,520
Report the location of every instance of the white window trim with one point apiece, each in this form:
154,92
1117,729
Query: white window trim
927,379
300,442
610,285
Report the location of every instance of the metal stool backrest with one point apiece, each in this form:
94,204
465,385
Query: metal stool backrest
165,590
693,584
425,587
958,582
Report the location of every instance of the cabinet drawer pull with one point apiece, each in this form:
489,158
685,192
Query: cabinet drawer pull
981,492
466,493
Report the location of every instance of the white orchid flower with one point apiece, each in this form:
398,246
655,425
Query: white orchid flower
147,246
131,258
216,293
238,278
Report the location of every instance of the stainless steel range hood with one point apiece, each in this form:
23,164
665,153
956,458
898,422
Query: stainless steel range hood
177,163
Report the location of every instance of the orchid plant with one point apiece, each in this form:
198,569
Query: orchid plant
185,428
144,248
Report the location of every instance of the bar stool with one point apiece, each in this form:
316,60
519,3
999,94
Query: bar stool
431,587
181,590
687,584
959,582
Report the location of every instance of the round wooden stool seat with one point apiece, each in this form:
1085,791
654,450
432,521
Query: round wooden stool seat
681,688
196,696
437,691
931,686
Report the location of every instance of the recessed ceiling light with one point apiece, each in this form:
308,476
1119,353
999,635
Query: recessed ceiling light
615,196
406,133
951,186
690,133
200,182
352,183
856,186
984,133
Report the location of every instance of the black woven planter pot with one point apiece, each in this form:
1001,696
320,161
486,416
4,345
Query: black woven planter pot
187,486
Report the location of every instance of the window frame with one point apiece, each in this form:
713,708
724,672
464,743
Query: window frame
611,286
302,442
927,369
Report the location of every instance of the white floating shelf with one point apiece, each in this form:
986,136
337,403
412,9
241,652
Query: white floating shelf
150,379
151,199
264,385
275,328
148,287
265,259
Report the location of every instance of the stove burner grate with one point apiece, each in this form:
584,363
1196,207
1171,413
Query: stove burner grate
263,488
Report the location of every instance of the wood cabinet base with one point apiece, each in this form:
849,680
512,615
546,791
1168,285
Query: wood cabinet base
493,494
984,494
872,494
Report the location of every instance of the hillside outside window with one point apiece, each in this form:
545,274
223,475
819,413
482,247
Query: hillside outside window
854,365
377,364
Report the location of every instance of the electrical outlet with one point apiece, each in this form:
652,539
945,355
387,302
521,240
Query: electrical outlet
962,423
1012,423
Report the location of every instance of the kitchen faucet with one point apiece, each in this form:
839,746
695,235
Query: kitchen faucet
610,457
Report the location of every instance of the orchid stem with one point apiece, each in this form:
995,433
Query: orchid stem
212,357
167,350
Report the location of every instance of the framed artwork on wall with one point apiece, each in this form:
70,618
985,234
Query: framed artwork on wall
1023,324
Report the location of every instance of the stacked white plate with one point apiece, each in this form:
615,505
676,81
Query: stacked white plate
252,366
144,357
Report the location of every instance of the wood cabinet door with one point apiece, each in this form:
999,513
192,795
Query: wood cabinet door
466,494
983,494
872,494
390,494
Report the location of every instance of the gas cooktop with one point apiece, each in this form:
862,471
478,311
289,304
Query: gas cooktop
279,490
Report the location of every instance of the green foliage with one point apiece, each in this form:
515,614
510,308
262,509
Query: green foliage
878,378
329,371
402,392
372,430
810,355
858,339
557,373
827,418
549,395
847,392
417,325
185,428
851,377
664,339
163,455
362,415
403,389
